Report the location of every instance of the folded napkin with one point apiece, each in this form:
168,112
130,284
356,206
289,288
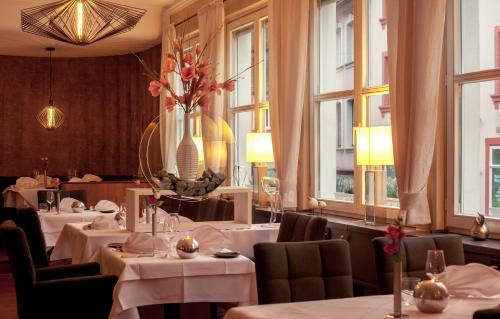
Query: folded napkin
26,182
142,243
211,240
65,204
472,281
104,205
75,180
91,178
41,179
102,222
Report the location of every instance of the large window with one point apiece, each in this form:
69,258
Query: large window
248,104
349,91
473,110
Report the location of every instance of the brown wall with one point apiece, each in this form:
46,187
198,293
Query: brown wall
105,102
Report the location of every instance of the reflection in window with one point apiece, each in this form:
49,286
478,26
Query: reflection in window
242,60
242,126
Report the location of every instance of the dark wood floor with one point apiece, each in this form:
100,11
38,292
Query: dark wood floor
7,293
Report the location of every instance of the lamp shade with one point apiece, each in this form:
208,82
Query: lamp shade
374,145
259,148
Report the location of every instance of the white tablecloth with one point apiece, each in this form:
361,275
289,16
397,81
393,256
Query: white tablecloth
84,245
148,280
21,197
375,307
53,223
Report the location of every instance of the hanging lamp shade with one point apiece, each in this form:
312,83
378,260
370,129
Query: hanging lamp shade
80,22
50,116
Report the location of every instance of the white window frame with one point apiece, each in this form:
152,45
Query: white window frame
456,222
359,93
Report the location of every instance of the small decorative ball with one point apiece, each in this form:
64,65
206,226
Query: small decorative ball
322,204
431,296
77,207
313,202
187,247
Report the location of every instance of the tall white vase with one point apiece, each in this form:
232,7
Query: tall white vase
187,154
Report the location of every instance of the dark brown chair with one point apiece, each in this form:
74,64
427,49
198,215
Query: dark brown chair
76,291
78,194
207,209
189,208
493,313
300,227
301,271
29,221
414,255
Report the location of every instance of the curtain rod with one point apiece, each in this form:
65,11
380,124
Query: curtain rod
189,18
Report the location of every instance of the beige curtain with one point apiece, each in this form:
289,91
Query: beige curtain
415,31
168,123
288,43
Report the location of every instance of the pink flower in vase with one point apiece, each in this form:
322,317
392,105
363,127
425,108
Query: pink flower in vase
152,201
204,67
56,181
188,58
214,87
204,101
154,88
391,248
228,85
169,65
197,49
169,103
187,73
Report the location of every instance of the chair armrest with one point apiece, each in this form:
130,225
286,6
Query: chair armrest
67,271
85,287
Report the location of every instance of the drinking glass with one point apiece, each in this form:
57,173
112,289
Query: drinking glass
35,173
435,263
50,199
271,186
174,221
408,286
43,207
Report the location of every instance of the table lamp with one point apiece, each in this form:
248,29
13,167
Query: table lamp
259,151
374,150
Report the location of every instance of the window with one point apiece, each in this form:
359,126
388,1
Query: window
344,99
247,47
473,115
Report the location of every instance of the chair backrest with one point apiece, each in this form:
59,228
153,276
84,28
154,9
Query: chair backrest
29,221
301,271
207,209
189,208
300,227
23,269
492,313
229,212
79,194
413,256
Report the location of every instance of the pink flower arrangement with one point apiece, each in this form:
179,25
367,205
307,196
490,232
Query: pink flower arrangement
395,234
196,74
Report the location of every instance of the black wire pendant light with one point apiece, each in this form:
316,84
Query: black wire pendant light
50,117
80,22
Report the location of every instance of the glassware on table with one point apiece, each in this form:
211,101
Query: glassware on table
35,173
271,186
435,263
50,199
43,207
408,286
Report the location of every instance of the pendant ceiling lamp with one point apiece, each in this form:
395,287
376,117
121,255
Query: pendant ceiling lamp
50,117
80,22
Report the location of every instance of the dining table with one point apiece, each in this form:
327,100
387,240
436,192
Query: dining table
369,307
19,197
85,245
150,280
52,223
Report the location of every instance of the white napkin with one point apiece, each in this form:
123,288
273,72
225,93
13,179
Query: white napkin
104,205
65,204
26,182
91,178
102,222
142,243
211,240
75,180
472,281
41,179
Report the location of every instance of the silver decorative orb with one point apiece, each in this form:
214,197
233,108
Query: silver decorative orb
430,296
77,207
187,247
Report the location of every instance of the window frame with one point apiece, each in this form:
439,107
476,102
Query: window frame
359,94
259,123
456,222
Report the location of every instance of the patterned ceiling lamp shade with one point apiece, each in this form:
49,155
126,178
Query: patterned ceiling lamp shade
80,22
50,117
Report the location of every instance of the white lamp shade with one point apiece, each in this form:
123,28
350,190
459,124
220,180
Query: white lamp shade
374,145
259,148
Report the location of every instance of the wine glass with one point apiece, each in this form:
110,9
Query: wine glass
50,199
271,186
408,285
435,263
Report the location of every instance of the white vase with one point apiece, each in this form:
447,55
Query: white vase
187,154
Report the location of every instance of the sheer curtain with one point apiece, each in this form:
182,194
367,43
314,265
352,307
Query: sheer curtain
168,123
415,36
288,43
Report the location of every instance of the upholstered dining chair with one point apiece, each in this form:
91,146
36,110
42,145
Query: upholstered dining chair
414,255
301,271
492,313
28,220
79,194
70,291
300,227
